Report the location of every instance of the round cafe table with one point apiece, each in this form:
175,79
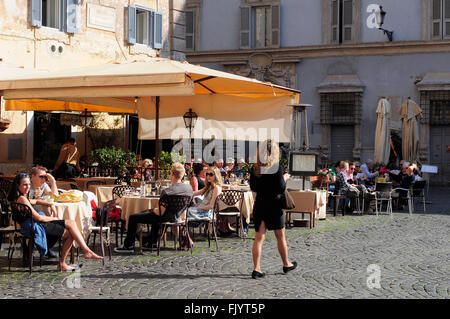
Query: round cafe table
77,212
103,192
136,204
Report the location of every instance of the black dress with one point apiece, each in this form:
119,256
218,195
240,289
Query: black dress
267,206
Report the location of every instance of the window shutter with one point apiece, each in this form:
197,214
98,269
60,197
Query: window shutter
446,22
190,33
245,34
158,29
436,20
131,25
335,21
70,15
276,26
347,20
36,13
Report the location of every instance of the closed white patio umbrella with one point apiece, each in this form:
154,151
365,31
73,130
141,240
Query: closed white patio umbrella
410,113
383,132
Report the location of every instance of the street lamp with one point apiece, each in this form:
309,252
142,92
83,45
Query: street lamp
190,118
379,16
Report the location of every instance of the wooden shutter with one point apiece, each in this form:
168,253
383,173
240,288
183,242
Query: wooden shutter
70,15
158,30
335,21
245,34
347,20
36,13
190,30
276,26
436,21
446,22
131,25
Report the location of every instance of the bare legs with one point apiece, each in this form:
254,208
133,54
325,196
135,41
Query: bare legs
73,234
257,246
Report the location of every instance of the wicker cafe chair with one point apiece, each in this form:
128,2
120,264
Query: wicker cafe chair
89,183
103,229
122,179
176,206
231,198
118,192
5,185
21,212
5,220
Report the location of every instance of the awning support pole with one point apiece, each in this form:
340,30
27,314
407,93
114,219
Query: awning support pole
157,139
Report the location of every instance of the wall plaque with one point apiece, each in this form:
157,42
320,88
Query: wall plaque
101,17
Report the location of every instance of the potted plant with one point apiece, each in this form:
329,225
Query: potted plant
115,160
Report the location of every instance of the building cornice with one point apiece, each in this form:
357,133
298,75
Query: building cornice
326,51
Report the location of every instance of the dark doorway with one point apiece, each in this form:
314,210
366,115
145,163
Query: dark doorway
49,135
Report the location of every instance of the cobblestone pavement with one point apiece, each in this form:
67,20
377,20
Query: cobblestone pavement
411,251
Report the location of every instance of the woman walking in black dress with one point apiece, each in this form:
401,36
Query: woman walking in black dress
268,182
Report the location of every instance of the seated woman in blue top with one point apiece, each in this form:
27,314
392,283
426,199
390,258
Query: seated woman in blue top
204,210
54,228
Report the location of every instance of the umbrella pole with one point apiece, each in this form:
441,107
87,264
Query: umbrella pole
85,132
157,139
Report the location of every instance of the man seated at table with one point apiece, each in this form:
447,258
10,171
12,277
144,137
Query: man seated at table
152,216
367,168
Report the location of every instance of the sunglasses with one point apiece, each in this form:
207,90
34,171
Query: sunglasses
209,174
42,176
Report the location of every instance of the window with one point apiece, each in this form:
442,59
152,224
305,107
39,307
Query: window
145,27
190,30
440,28
440,112
260,26
56,14
340,108
341,21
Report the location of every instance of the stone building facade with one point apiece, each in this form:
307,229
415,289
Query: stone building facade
335,54
53,35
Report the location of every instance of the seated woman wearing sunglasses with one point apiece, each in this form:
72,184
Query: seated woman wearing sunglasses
203,211
53,227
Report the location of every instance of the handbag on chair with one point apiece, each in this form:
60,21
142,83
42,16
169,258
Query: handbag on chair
286,200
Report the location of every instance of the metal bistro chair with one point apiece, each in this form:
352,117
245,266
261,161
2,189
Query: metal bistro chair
175,206
231,198
21,212
383,193
211,224
408,197
103,228
418,190
118,192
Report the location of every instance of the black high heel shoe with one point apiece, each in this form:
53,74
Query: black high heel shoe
288,269
257,274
